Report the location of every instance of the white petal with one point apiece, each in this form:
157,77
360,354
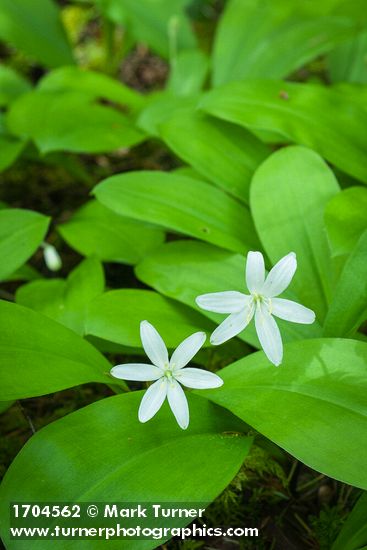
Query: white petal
230,301
187,349
233,325
255,271
198,378
153,344
269,335
280,276
152,400
139,372
178,403
291,311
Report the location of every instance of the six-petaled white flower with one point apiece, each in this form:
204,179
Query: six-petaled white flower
168,374
261,303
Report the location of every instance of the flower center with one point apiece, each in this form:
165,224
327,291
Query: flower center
259,299
168,372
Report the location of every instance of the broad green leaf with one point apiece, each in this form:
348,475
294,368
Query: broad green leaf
288,196
35,28
25,273
93,84
348,308
346,219
222,152
105,455
21,233
188,73
353,535
347,62
97,230
162,107
308,114
40,356
4,406
12,85
65,301
181,204
269,39
162,24
10,149
70,121
116,316
313,406
185,269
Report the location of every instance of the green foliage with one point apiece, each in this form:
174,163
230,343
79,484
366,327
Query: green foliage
95,229
35,28
300,413
21,233
181,204
41,356
66,301
160,463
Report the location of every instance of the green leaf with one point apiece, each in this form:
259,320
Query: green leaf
162,24
116,316
289,193
272,38
345,218
222,152
161,107
181,204
21,233
353,535
96,230
320,118
188,73
185,269
25,273
12,85
347,62
321,385
35,28
92,84
65,301
70,121
40,356
105,454
348,308
10,149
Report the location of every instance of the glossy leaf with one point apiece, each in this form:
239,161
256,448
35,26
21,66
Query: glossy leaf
312,115
320,385
161,107
97,230
116,316
188,73
21,233
12,85
346,219
91,83
65,301
347,62
126,461
289,193
272,38
183,270
180,204
70,121
40,356
36,29
353,535
222,152
348,308
159,24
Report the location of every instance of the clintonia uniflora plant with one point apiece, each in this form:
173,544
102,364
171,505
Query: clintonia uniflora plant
168,374
262,303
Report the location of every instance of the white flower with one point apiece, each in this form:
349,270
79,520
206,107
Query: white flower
167,373
52,257
261,302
